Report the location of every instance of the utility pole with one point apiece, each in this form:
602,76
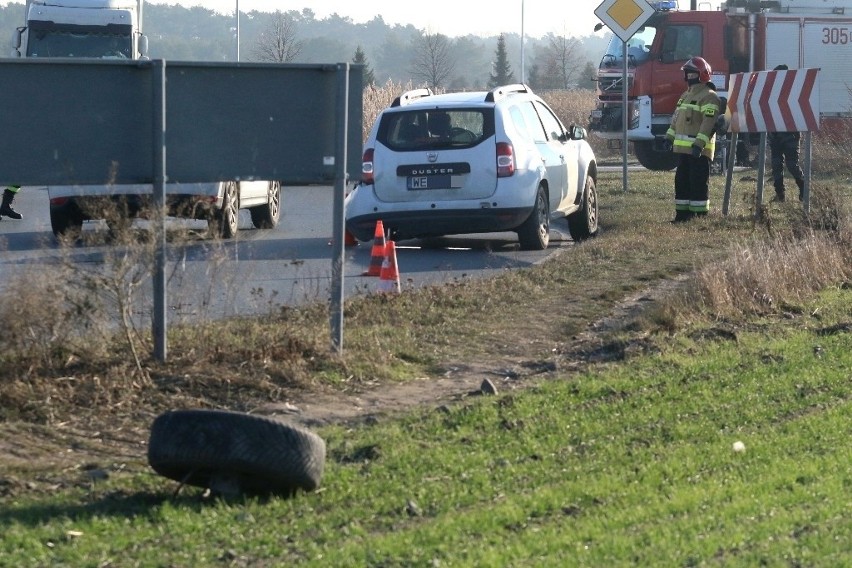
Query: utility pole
523,77
238,30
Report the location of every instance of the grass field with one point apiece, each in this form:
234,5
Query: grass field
627,463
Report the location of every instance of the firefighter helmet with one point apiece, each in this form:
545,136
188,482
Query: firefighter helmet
698,65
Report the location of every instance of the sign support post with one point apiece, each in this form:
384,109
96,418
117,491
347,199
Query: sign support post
158,319
624,18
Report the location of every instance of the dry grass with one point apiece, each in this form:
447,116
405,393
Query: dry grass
808,253
377,99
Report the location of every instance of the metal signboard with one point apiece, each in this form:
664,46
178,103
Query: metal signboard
624,17
775,101
79,122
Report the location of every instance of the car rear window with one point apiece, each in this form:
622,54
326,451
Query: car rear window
435,128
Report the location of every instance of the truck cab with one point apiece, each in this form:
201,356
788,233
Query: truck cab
103,29
655,55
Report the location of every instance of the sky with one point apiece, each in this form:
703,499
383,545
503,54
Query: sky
575,18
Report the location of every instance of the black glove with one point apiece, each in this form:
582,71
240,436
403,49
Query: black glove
696,151
668,145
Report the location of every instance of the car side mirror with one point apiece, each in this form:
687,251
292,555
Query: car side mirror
143,46
577,132
16,42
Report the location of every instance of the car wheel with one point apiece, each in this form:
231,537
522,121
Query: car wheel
233,452
534,234
266,216
224,223
583,223
66,222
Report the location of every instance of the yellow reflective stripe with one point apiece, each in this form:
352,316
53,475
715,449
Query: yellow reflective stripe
699,206
670,132
703,137
710,109
689,106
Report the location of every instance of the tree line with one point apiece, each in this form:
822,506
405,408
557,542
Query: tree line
398,53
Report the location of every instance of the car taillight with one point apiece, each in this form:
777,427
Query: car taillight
505,160
367,166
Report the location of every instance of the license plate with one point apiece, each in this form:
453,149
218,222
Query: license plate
429,182
597,113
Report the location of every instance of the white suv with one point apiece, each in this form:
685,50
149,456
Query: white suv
474,162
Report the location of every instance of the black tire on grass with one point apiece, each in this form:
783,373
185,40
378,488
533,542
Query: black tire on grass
259,455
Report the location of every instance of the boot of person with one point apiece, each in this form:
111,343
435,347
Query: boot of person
6,207
681,216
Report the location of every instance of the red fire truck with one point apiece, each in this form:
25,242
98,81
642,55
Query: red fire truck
742,36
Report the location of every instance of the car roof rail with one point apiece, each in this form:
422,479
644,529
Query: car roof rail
411,96
506,90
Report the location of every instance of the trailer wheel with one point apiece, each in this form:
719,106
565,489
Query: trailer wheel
66,221
267,216
225,222
249,454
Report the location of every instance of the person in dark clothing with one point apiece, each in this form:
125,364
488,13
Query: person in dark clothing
784,148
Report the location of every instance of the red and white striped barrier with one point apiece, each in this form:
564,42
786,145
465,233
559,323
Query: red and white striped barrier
775,101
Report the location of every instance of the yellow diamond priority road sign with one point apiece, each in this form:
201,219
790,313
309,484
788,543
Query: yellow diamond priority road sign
624,17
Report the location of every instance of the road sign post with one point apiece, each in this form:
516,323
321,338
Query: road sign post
624,18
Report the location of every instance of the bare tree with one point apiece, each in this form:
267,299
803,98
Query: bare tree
433,60
564,61
278,42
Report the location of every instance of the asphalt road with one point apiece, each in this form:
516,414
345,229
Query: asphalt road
263,269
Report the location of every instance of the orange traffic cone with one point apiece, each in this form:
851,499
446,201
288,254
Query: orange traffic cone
377,255
390,274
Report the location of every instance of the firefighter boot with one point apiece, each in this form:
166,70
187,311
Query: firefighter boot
801,183
681,216
6,207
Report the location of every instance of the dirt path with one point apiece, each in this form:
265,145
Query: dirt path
466,379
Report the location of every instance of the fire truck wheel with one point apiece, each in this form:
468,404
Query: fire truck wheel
653,159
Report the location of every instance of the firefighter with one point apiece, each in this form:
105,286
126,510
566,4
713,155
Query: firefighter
784,147
6,207
692,135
